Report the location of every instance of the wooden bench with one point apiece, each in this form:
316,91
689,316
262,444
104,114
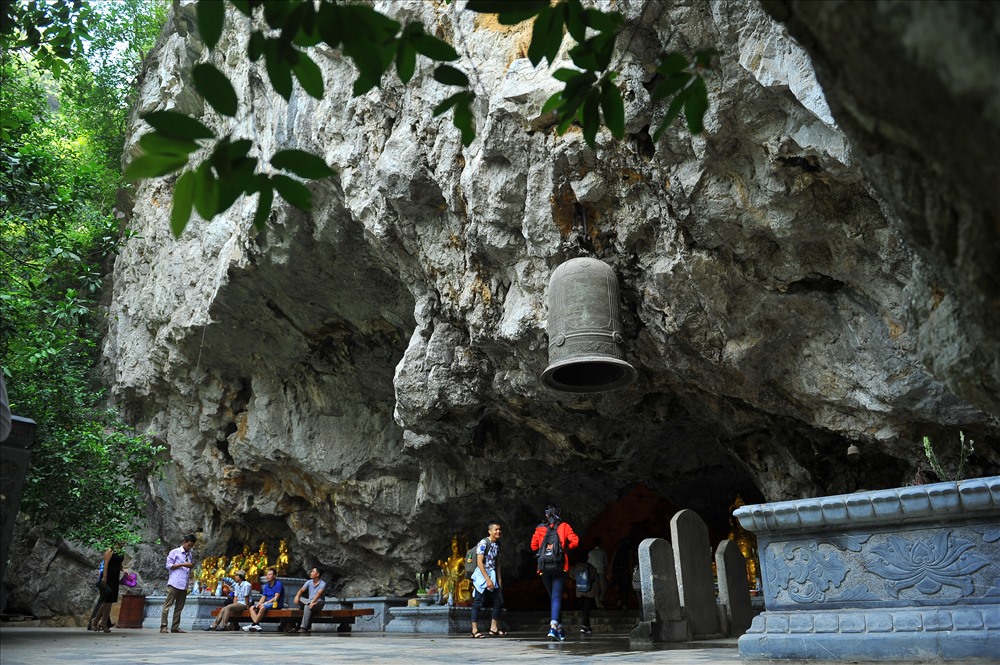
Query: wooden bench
288,618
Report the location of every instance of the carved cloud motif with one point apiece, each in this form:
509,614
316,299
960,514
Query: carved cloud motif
928,565
805,572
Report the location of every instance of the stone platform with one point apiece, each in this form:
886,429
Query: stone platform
197,612
907,575
439,619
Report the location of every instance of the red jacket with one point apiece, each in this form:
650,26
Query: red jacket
568,540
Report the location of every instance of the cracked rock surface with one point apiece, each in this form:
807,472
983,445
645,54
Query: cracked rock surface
818,268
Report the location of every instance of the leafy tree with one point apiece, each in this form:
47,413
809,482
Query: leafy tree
57,190
282,35
53,259
376,44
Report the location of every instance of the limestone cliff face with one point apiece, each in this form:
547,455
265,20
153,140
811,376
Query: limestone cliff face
813,270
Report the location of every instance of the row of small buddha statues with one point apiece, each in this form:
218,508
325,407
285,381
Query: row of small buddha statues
210,572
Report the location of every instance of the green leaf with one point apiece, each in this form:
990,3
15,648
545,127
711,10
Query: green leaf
154,166
703,59
463,118
510,13
552,103
215,88
157,144
675,83
604,21
434,48
672,112
301,163
309,75
696,105
546,36
279,71
178,125
576,20
293,191
565,74
211,16
450,76
264,202
591,117
613,107
406,61
447,104
370,40
579,84
256,45
206,192
180,211
244,7
672,62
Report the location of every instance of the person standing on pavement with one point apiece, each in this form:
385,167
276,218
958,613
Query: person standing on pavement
598,558
486,579
179,566
554,536
313,591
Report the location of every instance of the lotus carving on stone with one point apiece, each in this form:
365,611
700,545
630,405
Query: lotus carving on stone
926,564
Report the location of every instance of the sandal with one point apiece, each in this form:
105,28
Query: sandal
477,635
498,633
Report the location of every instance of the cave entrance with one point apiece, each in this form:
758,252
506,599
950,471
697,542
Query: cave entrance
640,513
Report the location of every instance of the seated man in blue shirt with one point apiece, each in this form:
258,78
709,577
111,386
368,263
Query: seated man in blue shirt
271,598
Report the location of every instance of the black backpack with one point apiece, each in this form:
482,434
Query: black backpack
550,554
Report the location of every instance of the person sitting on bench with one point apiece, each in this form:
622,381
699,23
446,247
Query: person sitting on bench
241,600
271,598
313,591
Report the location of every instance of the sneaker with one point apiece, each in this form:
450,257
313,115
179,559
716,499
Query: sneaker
246,628
553,634
585,630
256,628
561,634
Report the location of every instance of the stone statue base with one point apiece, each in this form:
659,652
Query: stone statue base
907,575
440,619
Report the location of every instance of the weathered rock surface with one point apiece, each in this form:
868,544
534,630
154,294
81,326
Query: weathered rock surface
813,270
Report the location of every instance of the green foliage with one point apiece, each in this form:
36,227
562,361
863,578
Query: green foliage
375,43
963,453
57,191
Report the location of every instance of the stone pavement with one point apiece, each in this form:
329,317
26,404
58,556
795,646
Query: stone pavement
47,646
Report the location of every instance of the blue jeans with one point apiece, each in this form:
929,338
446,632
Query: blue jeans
554,585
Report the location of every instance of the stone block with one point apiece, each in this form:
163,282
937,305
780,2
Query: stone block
693,563
734,588
905,574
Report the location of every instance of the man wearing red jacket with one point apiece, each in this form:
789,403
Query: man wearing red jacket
554,575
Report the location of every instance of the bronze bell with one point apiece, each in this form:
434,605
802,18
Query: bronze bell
586,349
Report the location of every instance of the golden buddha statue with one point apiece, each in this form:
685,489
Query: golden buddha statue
282,563
747,543
262,558
453,580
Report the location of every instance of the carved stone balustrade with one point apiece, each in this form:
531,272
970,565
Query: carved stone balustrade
908,575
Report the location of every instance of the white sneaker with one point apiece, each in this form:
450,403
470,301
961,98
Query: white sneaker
247,627
256,629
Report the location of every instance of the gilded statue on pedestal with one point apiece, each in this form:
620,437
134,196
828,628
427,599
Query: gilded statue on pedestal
453,580
282,563
747,543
